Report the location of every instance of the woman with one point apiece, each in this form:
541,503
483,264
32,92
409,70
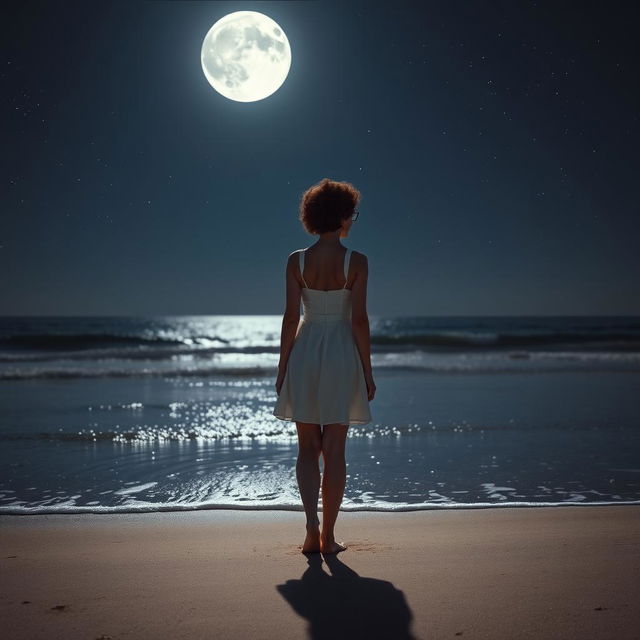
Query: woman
325,381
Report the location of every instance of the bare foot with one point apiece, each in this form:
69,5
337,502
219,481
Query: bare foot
331,547
312,541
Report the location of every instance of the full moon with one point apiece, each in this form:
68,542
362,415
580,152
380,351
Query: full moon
246,56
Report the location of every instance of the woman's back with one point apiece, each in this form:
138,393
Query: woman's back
323,268
335,268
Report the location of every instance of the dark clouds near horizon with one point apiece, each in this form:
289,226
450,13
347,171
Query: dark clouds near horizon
495,145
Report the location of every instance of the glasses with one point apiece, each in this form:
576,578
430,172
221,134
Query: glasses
355,215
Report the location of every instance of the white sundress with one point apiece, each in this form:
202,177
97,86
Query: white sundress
324,379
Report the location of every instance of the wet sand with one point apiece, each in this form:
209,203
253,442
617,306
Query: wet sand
548,572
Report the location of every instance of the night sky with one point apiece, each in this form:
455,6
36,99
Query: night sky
494,143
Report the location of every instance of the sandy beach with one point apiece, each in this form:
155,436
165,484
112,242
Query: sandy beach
564,572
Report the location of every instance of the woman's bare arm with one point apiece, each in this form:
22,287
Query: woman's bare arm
291,317
359,316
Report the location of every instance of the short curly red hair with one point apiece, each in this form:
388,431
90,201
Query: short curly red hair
326,204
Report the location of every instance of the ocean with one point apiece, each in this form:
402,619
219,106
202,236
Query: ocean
127,414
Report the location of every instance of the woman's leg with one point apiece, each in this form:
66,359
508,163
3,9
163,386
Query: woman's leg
308,476
334,438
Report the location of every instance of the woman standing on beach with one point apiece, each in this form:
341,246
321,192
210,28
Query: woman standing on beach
325,380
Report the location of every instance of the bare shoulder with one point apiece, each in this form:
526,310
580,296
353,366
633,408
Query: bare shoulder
293,257
360,261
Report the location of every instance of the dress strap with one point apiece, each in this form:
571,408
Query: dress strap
301,259
347,260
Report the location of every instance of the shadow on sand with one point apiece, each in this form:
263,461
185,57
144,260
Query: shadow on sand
344,605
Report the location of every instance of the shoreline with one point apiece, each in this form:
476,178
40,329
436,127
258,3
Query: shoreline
482,573
299,508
